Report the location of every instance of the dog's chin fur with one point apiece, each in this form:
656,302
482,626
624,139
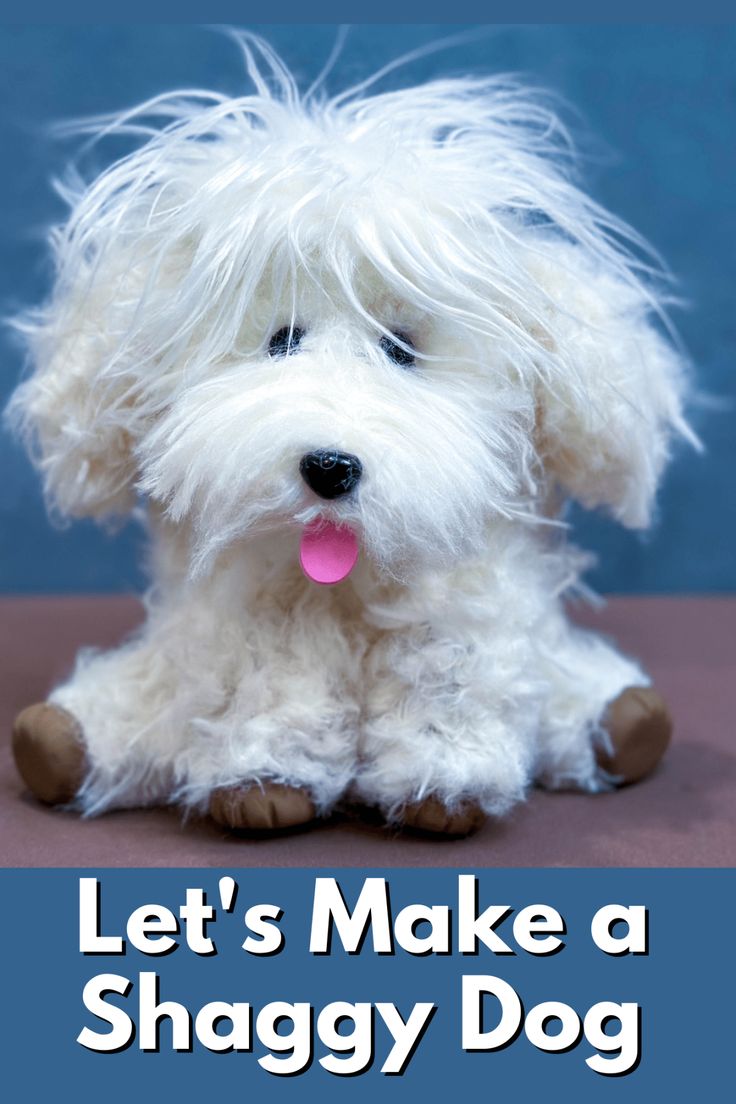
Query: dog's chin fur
445,219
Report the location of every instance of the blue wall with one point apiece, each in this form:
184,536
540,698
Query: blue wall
662,101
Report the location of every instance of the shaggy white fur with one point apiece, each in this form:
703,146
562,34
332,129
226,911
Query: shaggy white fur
444,217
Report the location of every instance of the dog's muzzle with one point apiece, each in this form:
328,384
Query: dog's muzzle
330,473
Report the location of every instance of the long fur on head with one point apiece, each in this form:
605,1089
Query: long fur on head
445,214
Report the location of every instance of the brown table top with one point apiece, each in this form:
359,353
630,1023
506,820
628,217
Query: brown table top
684,815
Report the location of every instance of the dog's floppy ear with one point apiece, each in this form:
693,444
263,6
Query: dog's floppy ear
606,417
75,411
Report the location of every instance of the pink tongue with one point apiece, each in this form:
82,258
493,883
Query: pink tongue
328,552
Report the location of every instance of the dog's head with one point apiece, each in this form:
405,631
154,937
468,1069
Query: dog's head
396,313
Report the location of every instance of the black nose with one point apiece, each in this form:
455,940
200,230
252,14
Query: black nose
330,473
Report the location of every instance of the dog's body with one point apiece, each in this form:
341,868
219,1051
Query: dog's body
263,283
458,685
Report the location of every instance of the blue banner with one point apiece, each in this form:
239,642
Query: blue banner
523,985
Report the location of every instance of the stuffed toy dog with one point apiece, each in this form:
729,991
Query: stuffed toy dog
352,355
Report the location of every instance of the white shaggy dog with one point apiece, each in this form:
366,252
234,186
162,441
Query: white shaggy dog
390,323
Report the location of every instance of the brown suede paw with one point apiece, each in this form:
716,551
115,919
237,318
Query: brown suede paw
432,815
639,726
263,807
48,747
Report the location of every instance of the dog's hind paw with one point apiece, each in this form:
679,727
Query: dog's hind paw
48,747
261,807
639,728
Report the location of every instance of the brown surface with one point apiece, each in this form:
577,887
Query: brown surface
684,815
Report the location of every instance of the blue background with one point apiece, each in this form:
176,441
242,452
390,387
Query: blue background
660,102
683,986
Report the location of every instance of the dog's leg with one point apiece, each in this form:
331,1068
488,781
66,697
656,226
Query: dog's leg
283,748
462,714
602,722
449,728
252,720
106,738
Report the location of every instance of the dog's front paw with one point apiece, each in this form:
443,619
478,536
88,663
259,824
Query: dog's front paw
48,746
432,815
639,728
261,807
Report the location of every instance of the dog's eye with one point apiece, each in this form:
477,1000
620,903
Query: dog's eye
285,341
404,357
